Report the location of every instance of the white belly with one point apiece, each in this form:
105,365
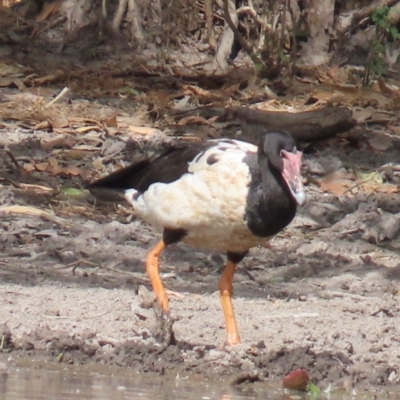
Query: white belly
209,205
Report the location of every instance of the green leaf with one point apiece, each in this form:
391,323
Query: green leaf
382,23
314,390
394,32
258,66
128,89
73,192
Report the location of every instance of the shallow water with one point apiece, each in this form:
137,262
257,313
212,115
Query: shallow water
98,383
38,384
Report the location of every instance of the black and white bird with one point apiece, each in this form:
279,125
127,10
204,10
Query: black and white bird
224,195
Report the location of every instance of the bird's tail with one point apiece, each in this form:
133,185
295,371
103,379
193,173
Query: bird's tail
112,187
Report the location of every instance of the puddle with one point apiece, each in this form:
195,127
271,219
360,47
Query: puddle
38,384
105,383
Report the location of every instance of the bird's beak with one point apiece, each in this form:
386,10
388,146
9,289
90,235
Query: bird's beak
292,175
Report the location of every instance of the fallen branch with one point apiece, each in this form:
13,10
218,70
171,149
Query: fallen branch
314,124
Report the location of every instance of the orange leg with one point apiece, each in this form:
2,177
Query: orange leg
226,292
153,271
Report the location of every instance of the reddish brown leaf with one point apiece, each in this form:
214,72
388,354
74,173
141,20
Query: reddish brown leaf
41,166
298,379
112,122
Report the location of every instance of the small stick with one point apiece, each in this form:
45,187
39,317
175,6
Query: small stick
73,316
358,184
11,182
75,265
13,159
58,97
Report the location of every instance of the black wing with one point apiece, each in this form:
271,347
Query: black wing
167,167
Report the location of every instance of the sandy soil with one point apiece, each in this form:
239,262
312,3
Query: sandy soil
324,295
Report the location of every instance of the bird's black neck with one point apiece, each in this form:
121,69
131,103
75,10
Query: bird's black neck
270,205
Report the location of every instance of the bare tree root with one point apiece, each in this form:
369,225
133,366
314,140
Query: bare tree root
119,15
209,24
130,7
227,37
136,31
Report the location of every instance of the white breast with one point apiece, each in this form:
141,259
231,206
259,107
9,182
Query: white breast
208,202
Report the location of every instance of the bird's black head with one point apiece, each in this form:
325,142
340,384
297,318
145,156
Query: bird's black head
282,154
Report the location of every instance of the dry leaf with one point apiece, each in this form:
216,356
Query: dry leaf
386,89
336,183
193,119
387,188
7,82
29,167
112,122
395,129
84,129
75,171
61,122
205,94
361,115
53,163
334,187
98,164
41,166
334,97
142,130
380,142
44,125
59,142
50,78
13,69
77,154
125,122
231,89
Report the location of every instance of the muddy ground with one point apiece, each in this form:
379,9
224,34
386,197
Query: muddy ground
323,295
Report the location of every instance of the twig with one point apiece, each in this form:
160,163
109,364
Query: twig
172,293
76,264
247,272
358,184
38,213
299,315
11,182
72,317
58,97
13,159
